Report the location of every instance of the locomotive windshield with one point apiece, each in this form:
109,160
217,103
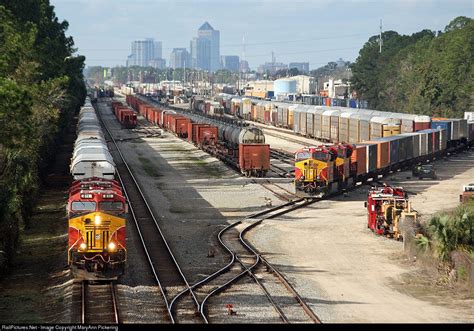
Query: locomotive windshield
320,156
83,205
302,155
111,205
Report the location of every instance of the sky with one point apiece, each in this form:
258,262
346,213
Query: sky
311,31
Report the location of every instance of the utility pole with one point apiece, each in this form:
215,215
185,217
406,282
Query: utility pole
380,37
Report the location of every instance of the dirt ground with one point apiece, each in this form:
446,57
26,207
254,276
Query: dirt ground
350,275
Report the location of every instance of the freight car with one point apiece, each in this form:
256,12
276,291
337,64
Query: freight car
330,123
327,169
238,144
126,116
96,206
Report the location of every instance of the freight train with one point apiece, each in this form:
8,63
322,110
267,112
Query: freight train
342,124
357,143
236,143
96,207
126,116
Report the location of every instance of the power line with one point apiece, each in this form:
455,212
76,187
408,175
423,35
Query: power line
247,44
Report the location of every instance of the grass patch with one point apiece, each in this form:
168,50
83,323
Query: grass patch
209,169
148,166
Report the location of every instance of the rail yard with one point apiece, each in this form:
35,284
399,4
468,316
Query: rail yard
200,191
259,253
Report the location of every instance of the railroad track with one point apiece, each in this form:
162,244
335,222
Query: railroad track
277,190
145,129
295,140
166,271
284,158
244,259
99,303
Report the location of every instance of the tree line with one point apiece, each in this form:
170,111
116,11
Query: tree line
41,87
429,72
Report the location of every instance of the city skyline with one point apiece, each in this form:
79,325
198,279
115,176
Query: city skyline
313,31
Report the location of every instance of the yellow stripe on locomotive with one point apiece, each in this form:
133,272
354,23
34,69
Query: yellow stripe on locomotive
97,244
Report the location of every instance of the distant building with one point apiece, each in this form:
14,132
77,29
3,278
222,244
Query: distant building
337,88
258,88
305,84
158,63
302,67
340,63
201,53
180,58
244,66
272,67
230,62
144,51
205,48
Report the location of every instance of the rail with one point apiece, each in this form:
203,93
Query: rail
163,264
99,303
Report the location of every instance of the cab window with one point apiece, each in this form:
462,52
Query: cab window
83,205
303,156
320,156
111,205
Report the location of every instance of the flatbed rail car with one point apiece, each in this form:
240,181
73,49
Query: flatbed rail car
240,145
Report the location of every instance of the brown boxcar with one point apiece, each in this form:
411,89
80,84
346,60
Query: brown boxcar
192,132
178,124
254,158
128,118
206,134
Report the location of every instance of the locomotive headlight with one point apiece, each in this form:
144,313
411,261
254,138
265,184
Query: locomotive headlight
112,246
83,246
97,220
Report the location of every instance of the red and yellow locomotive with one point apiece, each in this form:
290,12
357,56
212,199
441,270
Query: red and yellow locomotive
322,170
96,212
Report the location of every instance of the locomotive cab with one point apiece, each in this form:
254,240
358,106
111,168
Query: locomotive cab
314,170
96,211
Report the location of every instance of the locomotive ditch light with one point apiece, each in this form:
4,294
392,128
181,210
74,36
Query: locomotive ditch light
83,246
112,246
97,220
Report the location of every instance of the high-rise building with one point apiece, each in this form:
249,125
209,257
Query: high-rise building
201,53
230,62
244,66
302,67
180,58
205,49
271,67
144,52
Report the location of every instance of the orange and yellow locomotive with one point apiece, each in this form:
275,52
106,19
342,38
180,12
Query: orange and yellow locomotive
96,212
322,170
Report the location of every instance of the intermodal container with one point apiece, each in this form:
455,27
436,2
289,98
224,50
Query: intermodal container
414,141
445,125
383,152
359,157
